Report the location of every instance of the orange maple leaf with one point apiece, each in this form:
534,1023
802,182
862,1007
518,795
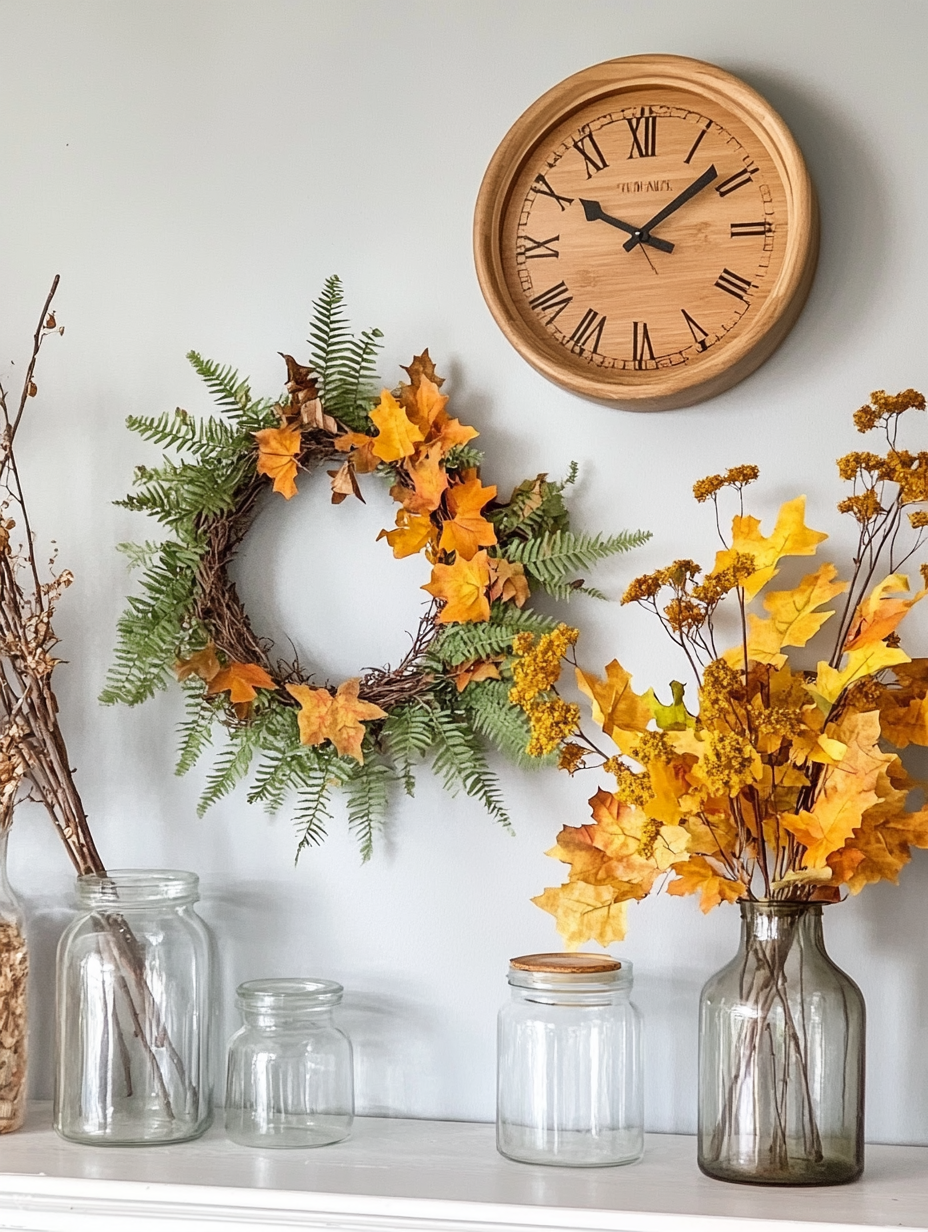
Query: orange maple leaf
467,530
423,404
339,718
203,663
430,480
397,435
414,532
344,483
878,615
240,680
508,581
422,366
697,876
361,446
463,588
474,671
277,450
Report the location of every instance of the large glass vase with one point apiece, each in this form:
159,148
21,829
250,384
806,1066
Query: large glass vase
781,1057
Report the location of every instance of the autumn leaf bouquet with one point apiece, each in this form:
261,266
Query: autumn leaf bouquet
780,782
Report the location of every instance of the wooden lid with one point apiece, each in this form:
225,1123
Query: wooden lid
566,964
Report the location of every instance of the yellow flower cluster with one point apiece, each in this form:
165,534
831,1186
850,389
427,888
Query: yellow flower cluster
735,477
865,506
631,788
919,518
537,665
729,763
883,406
778,721
571,757
714,586
720,684
550,722
653,746
647,586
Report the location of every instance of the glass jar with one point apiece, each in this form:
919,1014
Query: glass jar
781,1057
14,971
569,1063
289,1079
135,1011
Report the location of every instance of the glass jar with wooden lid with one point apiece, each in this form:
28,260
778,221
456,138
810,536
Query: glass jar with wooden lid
569,1086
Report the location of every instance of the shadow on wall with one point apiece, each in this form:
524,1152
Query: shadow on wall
46,920
854,208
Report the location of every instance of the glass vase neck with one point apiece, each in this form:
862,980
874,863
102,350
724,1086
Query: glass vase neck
771,920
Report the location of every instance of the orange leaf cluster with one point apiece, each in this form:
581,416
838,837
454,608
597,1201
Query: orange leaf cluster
240,680
338,717
782,784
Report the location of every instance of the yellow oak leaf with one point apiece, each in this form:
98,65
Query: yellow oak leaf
846,791
463,589
508,581
698,876
277,450
588,912
674,717
467,530
616,706
397,436
878,614
904,710
339,718
830,682
203,663
790,537
240,680
414,532
793,617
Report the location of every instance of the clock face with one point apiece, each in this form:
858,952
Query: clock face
642,242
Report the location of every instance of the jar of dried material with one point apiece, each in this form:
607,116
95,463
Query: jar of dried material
290,1081
569,1066
14,968
135,1012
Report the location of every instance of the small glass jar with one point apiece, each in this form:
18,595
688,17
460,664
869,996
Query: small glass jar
569,1088
289,1081
135,1011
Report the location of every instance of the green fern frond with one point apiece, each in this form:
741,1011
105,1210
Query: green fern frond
463,458
497,720
460,762
407,735
551,558
231,766
195,732
368,794
312,811
461,643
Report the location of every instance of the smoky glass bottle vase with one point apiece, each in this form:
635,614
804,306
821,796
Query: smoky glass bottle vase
135,1012
781,1057
569,1088
290,1079
14,971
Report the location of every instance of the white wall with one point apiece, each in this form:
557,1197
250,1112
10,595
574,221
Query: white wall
193,169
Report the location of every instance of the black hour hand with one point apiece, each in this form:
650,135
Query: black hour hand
595,213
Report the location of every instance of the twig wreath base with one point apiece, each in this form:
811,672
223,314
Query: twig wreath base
450,693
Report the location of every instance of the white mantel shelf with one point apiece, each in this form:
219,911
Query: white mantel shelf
421,1176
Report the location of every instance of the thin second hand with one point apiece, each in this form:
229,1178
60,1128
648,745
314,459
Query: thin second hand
647,257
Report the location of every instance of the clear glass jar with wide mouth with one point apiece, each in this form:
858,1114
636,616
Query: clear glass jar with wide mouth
135,1011
569,1089
290,1080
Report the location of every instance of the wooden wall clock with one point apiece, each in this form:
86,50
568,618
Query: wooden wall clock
646,234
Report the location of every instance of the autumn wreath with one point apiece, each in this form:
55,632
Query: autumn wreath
451,691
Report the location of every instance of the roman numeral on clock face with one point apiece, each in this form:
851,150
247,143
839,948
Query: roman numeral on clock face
544,189
644,136
699,334
734,284
738,229
589,328
593,157
642,349
532,249
552,301
736,181
695,146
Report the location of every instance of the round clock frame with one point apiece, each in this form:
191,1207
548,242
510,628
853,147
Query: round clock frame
604,347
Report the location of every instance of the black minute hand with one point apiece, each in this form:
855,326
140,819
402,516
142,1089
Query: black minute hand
643,234
595,213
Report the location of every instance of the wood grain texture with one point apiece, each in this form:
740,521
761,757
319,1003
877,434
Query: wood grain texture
709,294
